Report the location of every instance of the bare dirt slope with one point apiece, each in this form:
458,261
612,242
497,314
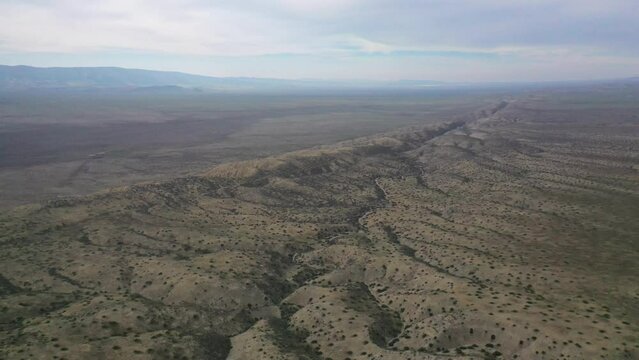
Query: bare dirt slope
508,233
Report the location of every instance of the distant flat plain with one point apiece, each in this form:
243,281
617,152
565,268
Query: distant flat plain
69,143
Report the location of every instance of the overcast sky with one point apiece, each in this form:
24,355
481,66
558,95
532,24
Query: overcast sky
450,40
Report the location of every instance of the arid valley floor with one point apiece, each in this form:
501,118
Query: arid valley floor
509,232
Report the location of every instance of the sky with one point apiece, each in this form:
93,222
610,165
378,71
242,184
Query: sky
444,40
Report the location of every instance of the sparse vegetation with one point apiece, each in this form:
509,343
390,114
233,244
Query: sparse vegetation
507,234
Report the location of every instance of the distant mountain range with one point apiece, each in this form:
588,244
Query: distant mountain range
21,77
28,77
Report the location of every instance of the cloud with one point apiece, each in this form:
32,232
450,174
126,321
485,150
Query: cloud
535,31
162,26
318,7
302,26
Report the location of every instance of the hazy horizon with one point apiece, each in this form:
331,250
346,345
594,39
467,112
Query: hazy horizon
455,41
345,81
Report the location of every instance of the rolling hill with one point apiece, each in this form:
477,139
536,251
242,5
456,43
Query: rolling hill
506,233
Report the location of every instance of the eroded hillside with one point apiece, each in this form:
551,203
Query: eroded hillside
510,233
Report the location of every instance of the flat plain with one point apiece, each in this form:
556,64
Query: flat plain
76,142
507,231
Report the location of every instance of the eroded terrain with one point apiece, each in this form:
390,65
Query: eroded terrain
510,232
